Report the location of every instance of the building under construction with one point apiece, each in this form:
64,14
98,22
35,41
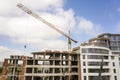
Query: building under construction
45,65
98,59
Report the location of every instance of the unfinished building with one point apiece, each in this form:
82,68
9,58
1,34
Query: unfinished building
47,65
98,59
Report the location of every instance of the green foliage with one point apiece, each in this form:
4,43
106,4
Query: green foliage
0,70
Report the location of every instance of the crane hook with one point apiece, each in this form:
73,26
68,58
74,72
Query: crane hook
25,46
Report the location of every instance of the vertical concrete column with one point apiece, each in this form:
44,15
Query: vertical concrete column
53,65
79,68
22,77
33,67
14,60
69,58
44,65
4,70
61,65
53,62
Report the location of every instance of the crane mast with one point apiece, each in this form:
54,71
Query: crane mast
30,12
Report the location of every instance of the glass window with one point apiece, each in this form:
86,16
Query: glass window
97,70
119,38
97,63
84,64
85,78
115,77
113,37
114,70
28,78
113,64
29,62
112,57
84,50
95,50
96,57
84,70
83,56
29,70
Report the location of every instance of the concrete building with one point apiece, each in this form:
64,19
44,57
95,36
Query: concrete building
45,65
98,59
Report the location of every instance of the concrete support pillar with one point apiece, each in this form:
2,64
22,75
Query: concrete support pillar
4,71
22,77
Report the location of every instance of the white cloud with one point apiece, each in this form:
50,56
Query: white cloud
22,28
25,28
6,52
118,9
89,27
43,4
8,7
118,27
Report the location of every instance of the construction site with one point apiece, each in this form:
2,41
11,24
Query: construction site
97,59
46,65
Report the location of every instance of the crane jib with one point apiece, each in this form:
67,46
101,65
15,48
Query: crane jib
43,20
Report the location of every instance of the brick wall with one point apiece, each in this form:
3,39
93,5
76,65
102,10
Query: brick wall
4,70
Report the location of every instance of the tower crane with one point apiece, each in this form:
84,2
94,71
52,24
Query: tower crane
30,12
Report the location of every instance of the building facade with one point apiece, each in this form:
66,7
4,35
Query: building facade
100,58
45,65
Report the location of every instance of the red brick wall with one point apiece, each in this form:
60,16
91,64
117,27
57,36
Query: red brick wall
4,70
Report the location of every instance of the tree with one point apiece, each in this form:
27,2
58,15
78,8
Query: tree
0,70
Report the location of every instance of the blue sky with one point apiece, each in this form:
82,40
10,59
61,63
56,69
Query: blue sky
85,19
104,12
